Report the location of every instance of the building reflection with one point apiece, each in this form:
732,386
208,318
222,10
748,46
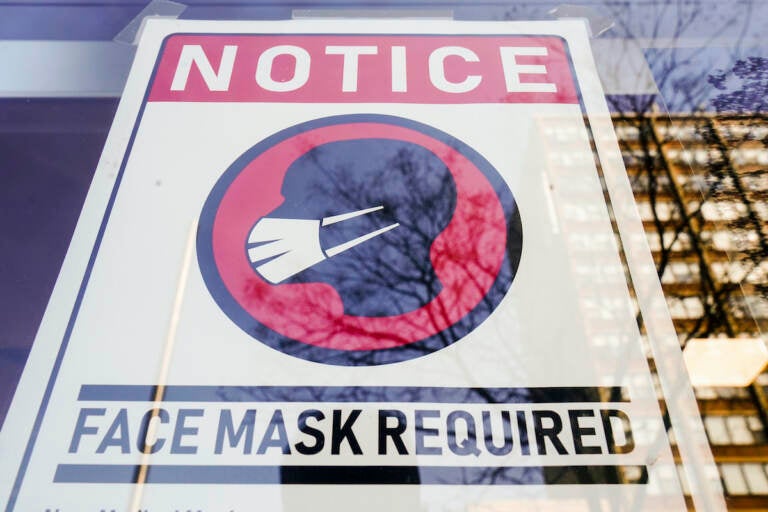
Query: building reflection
702,192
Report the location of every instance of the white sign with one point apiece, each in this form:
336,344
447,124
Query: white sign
335,265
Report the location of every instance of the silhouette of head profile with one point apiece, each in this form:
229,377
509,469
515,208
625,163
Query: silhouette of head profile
390,273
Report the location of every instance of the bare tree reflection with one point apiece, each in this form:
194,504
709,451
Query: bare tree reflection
699,173
439,273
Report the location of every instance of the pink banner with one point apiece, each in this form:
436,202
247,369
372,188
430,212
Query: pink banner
364,69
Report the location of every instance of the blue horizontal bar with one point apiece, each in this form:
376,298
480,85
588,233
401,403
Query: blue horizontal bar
356,394
345,475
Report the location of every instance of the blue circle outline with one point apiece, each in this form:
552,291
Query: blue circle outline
251,326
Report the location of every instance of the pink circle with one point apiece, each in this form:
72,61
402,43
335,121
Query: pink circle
466,256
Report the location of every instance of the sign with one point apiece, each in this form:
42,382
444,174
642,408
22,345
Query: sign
335,265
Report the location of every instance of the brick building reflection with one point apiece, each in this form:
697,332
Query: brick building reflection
701,185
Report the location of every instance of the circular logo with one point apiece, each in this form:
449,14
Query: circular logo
359,240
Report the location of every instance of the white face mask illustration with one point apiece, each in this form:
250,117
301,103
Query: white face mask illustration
293,245
342,238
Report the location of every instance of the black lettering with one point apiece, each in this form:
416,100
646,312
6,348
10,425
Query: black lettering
395,432
522,426
506,447
469,445
340,432
579,432
422,432
629,442
316,434
551,433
